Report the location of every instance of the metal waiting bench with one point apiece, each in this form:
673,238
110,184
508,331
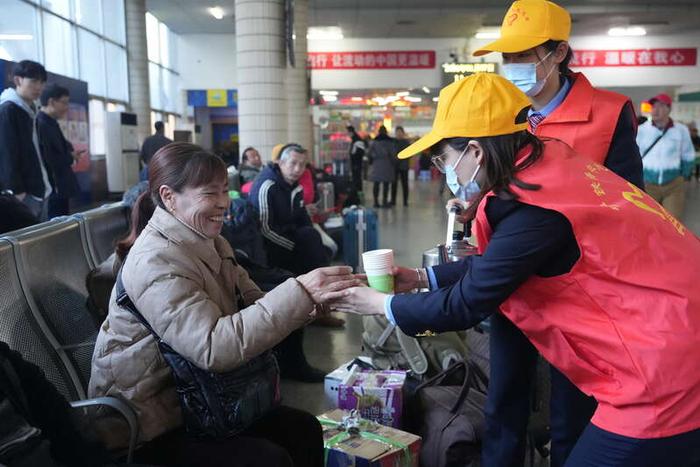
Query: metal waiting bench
43,312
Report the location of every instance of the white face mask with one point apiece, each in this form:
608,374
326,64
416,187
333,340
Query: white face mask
524,76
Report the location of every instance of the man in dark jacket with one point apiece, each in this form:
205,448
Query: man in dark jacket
291,241
151,145
56,149
23,172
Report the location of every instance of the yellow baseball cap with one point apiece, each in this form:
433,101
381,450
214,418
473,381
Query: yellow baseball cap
529,23
483,104
276,150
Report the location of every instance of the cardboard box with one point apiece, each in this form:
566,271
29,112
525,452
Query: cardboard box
338,376
373,446
376,394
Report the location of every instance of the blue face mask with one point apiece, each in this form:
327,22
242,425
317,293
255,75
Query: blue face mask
524,76
463,192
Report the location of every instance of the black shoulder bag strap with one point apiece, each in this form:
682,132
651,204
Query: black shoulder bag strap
124,301
654,143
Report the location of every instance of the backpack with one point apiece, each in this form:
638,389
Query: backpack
447,411
242,230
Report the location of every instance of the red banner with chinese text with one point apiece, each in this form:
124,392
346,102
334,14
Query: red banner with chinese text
371,60
636,57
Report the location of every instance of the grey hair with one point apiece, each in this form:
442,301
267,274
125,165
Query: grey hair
289,149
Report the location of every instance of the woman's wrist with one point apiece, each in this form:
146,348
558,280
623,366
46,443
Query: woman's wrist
422,278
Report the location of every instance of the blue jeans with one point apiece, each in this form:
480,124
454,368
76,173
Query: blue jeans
513,360
600,448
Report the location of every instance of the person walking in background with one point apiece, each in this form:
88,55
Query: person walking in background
358,149
667,154
251,166
57,150
382,158
402,166
695,138
23,171
151,145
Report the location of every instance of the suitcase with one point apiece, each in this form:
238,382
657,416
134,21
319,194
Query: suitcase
360,234
326,194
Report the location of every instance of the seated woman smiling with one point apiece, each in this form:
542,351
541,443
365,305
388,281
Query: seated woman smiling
182,277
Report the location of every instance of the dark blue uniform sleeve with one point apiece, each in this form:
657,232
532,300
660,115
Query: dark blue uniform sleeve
623,156
526,240
448,274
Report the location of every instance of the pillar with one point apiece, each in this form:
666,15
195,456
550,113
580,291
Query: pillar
298,109
137,53
261,62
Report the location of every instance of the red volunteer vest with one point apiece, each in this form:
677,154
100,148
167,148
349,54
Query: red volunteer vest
624,324
586,120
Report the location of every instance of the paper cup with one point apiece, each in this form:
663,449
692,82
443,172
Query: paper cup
378,265
378,259
382,283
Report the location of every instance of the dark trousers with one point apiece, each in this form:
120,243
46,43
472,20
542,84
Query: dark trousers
58,205
385,192
308,254
356,172
513,360
285,437
600,448
401,176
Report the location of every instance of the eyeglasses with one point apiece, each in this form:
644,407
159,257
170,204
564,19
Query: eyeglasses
439,161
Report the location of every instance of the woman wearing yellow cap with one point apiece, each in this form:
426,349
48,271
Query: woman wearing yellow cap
615,310
598,124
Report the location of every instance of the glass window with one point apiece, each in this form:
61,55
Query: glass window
20,34
172,48
59,46
152,38
167,97
114,20
92,62
164,41
88,13
155,85
97,127
60,7
170,126
117,76
115,107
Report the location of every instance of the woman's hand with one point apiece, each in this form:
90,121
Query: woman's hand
358,300
407,279
461,206
322,281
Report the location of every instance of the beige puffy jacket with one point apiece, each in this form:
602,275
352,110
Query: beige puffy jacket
184,285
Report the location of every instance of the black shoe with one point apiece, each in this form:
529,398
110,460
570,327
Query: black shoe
376,205
304,373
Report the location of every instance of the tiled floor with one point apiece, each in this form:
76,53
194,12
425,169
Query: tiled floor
408,231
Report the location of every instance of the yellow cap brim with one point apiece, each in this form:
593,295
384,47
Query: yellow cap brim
428,140
511,44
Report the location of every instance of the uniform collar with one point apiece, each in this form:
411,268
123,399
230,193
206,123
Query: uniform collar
556,101
210,251
576,106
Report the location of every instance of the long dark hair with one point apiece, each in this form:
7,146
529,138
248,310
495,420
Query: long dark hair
499,163
141,213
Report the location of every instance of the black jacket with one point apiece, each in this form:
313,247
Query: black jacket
57,153
280,207
19,166
47,410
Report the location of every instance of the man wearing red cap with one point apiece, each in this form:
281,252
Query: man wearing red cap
667,154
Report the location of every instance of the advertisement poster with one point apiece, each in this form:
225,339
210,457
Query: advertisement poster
74,126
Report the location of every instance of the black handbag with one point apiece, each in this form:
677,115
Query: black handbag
216,405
